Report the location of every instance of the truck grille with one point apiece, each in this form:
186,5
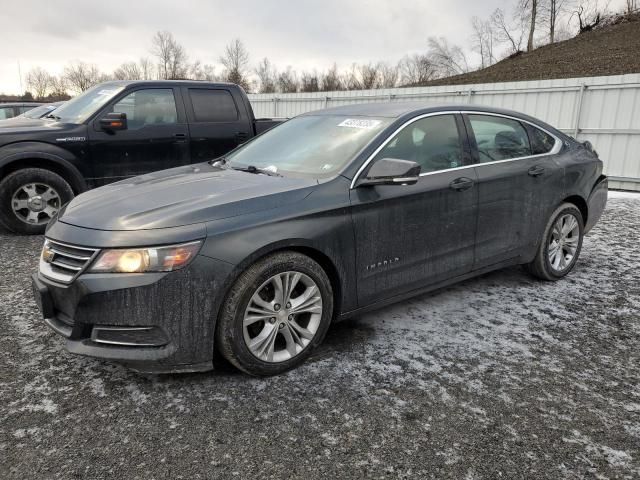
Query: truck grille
62,262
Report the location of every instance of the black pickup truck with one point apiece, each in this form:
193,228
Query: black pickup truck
113,131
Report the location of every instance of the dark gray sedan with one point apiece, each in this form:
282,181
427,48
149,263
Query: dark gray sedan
335,212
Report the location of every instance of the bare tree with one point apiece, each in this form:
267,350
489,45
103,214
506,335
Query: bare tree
38,81
128,71
550,12
632,6
330,80
267,76
58,86
172,57
589,13
80,76
530,7
146,68
309,82
389,75
236,63
448,59
511,33
483,41
202,71
210,74
416,69
162,48
351,78
369,75
288,81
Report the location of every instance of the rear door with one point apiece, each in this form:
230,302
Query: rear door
519,182
408,236
217,122
156,137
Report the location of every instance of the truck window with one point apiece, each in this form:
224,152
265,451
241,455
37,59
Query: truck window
154,106
213,105
6,112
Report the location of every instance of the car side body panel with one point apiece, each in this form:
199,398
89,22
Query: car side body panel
67,160
378,244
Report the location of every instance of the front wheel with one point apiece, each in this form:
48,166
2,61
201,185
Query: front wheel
561,244
29,198
276,313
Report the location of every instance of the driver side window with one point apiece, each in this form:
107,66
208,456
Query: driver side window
155,106
432,142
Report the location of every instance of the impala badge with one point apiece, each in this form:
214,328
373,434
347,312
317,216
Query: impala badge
382,263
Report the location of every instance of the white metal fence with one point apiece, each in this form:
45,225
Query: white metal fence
603,110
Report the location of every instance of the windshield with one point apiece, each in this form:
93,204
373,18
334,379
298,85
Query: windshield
38,111
78,109
310,145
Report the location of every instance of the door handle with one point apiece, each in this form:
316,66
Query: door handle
180,137
536,171
461,184
242,134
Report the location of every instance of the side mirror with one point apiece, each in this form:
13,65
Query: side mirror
114,121
391,171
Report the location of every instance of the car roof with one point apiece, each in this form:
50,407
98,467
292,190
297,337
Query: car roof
165,83
20,104
401,109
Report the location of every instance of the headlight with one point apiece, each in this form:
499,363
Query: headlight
152,259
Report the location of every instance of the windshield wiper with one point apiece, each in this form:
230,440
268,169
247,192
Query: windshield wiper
51,115
256,170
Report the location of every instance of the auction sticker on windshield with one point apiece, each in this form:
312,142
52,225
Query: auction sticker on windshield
360,123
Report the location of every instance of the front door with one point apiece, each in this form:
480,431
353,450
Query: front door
519,182
410,236
156,137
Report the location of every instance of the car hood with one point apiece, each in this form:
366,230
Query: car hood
31,125
181,196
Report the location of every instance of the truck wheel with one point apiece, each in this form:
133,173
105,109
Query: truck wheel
29,198
276,313
561,244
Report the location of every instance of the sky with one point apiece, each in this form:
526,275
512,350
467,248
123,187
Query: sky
303,34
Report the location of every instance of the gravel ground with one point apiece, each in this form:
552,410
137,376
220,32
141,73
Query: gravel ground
498,377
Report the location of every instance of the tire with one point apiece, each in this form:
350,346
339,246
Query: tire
542,266
283,324
40,191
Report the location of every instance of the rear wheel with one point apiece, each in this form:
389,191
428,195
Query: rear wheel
277,312
561,244
29,199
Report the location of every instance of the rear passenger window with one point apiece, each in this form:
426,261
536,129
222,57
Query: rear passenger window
541,142
499,138
213,105
433,142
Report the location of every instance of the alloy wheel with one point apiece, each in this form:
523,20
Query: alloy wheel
282,317
563,242
35,203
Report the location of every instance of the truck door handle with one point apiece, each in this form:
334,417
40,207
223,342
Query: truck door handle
180,137
242,135
536,171
461,184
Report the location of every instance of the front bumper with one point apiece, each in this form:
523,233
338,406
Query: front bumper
152,322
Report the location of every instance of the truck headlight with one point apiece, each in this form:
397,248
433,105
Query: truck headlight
151,259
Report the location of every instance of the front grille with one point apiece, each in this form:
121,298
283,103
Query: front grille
63,262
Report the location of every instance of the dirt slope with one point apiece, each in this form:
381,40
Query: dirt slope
613,49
